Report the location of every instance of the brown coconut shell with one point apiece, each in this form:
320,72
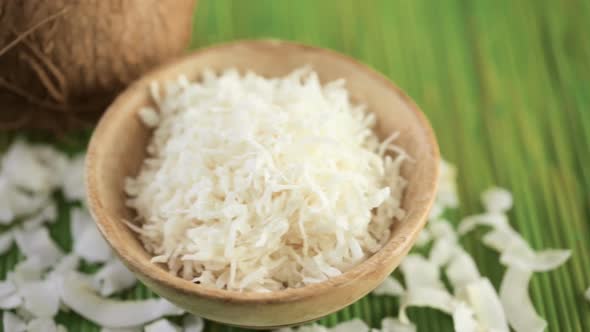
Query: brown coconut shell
63,61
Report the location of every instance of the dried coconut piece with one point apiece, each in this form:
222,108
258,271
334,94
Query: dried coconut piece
113,277
13,323
73,186
497,200
442,251
41,298
129,329
516,251
389,324
420,273
6,240
79,296
463,319
390,287
354,325
88,242
9,297
149,116
435,298
44,324
47,214
519,309
423,238
587,294
491,219
37,243
461,270
192,323
484,301
161,325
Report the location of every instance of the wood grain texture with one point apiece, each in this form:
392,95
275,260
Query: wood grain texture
117,149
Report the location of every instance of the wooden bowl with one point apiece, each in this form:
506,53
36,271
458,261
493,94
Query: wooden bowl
117,150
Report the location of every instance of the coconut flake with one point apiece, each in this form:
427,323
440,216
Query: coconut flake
587,294
485,304
40,298
446,195
519,309
161,325
129,329
43,325
6,240
9,297
420,273
91,246
47,214
192,323
463,319
541,261
149,116
496,199
266,166
73,183
390,286
37,243
491,219
461,270
113,277
389,324
426,297
80,297
354,325
423,238
12,322
442,251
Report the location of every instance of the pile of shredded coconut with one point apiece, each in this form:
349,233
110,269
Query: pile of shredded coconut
256,184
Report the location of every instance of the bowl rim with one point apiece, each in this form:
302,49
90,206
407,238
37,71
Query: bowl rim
396,245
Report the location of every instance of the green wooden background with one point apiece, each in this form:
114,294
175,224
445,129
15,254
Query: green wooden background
506,85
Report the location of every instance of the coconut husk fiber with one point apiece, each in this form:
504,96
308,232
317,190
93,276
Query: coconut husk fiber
63,61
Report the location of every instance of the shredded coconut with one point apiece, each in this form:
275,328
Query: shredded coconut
256,184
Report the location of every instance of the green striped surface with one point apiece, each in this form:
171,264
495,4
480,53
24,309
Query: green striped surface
506,85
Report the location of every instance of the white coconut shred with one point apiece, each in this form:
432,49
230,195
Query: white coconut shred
256,184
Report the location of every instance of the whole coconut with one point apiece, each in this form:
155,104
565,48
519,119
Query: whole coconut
63,61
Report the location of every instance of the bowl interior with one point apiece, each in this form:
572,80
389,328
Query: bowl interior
118,145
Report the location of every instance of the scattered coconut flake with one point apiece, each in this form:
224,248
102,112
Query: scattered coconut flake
91,246
420,273
426,297
496,199
305,328
442,229
6,240
486,305
113,277
80,297
461,270
25,271
390,286
269,159
69,262
128,329
442,251
463,319
491,219
47,214
38,243
41,298
446,196
519,309
9,297
42,325
161,325
423,238
389,324
12,322
354,325
540,261
73,183
587,294
192,323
